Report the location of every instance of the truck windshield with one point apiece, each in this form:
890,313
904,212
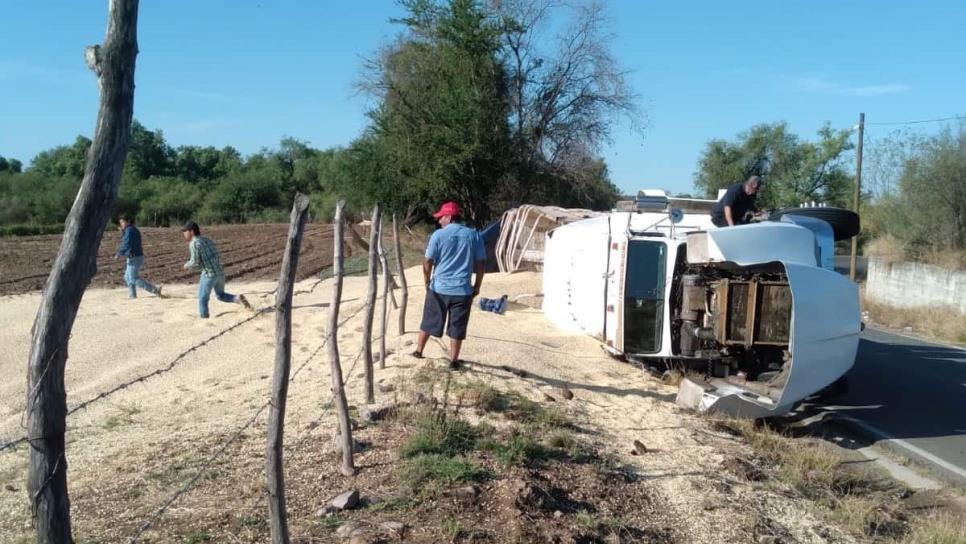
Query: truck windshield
644,296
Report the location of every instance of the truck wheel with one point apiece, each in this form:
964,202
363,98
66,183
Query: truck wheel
845,223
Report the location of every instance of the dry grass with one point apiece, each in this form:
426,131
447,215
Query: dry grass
892,250
886,249
859,500
944,529
941,323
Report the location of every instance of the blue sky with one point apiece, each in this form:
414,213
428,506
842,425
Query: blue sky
246,73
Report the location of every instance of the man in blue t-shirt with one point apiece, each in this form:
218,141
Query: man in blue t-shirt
454,253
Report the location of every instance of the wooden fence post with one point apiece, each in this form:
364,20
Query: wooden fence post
278,515
338,392
371,304
404,295
386,281
76,263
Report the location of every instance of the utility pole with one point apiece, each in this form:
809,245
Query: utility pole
858,191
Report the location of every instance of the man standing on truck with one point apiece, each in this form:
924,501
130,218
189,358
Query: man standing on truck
132,251
204,257
734,207
454,253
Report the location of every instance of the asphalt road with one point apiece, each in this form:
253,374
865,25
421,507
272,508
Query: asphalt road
910,395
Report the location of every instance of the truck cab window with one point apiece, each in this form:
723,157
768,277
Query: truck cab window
644,296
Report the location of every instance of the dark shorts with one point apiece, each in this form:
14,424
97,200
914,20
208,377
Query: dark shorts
438,309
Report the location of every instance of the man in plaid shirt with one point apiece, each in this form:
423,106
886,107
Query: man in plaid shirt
204,257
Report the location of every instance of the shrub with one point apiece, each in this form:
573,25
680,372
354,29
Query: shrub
519,448
434,471
438,435
240,196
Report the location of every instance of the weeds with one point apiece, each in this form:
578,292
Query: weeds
868,517
433,471
252,521
517,407
437,434
171,474
943,323
482,395
943,529
859,500
330,523
586,520
517,449
568,443
452,528
196,538
393,504
124,416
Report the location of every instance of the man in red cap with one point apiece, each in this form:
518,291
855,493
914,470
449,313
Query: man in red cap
454,253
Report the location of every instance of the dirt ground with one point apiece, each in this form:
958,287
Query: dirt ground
131,451
248,252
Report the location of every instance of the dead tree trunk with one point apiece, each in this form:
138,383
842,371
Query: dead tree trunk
404,294
338,393
371,304
76,263
278,514
384,307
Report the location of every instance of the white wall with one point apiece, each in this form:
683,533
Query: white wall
909,285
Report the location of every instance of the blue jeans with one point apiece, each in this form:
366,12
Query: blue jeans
205,286
132,277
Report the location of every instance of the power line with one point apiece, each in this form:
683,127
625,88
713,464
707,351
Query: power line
940,119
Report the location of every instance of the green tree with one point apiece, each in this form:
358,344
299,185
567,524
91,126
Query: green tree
10,165
63,161
205,164
933,193
792,170
162,201
242,196
441,128
149,154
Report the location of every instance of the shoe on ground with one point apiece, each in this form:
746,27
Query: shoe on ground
245,303
159,293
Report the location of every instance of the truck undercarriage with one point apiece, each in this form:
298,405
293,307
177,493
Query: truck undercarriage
732,322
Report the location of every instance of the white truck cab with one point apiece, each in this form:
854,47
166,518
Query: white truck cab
755,308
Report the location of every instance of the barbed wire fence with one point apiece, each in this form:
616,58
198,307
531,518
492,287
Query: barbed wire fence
354,267
149,522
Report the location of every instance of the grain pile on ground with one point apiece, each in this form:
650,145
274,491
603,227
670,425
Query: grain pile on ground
658,474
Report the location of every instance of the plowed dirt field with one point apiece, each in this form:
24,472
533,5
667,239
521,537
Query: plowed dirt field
248,253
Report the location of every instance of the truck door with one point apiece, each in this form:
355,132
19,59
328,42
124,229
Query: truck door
644,296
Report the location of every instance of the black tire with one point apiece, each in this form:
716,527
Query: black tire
845,223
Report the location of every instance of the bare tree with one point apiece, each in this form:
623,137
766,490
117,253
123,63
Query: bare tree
371,304
384,307
76,263
564,99
404,293
283,362
332,338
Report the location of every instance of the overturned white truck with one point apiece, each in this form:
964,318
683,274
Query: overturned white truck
757,309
